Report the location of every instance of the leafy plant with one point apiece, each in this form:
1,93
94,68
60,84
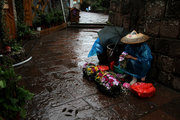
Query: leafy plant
37,22
45,19
59,15
15,46
23,31
54,18
5,61
12,97
48,19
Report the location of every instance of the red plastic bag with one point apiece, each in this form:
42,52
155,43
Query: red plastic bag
112,65
103,67
143,89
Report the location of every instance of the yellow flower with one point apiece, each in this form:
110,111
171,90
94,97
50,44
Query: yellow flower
96,68
88,69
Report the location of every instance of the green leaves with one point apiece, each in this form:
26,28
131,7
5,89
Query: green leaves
48,19
23,31
12,97
2,84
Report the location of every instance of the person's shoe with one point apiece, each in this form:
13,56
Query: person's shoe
134,80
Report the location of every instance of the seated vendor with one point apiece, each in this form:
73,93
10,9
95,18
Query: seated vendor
138,56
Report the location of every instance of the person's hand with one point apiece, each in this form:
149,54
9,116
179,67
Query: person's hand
130,57
121,56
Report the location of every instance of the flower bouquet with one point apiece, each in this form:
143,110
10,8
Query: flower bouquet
109,84
122,60
90,70
99,76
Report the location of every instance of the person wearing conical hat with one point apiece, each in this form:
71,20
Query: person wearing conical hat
139,55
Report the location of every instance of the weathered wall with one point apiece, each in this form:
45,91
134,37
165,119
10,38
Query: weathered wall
160,19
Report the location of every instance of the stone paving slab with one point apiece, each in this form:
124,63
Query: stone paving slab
172,108
157,115
55,76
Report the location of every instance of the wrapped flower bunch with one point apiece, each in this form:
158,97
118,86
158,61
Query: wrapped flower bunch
109,84
109,81
85,66
90,70
99,76
88,64
123,60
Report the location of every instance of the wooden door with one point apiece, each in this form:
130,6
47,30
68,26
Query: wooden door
10,20
28,12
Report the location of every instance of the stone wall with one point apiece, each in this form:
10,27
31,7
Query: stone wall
160,19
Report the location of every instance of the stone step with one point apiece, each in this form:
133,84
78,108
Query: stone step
86,25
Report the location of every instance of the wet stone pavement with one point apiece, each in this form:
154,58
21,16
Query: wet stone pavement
93,18
55,76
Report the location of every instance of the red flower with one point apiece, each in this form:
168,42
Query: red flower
100,74
8,48
111,81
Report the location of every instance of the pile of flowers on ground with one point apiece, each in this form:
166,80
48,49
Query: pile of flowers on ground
106,81
113,84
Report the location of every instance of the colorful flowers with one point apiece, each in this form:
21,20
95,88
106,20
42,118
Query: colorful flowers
122,56
123,60
88,64
91,70
109,81
99,76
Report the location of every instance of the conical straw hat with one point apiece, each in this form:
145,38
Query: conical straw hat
134,38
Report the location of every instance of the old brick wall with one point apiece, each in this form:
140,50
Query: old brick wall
160,19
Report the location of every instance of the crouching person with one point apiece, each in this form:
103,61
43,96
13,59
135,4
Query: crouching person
138,56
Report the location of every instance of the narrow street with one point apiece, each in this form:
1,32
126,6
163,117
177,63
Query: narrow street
55,76
95,18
